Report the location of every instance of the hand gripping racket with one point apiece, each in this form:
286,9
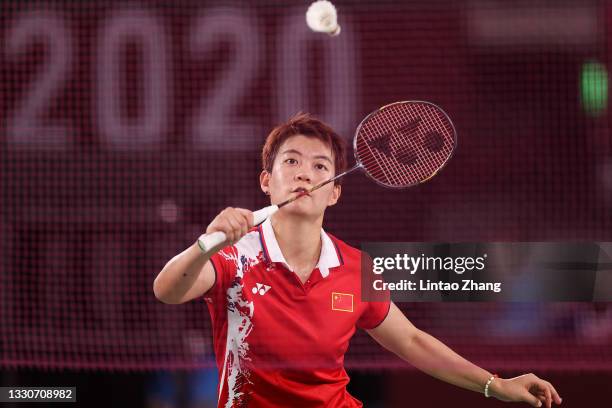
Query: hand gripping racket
399,145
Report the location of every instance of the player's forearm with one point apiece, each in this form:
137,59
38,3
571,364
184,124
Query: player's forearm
179,275
430,355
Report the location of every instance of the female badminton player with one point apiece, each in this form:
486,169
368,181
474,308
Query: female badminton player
284,296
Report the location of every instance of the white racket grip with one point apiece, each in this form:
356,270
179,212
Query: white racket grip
263,214
207,242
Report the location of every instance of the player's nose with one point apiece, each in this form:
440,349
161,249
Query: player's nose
303,176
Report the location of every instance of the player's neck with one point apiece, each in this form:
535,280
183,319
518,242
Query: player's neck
299,240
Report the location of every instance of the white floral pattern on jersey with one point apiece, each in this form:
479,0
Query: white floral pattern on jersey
244,254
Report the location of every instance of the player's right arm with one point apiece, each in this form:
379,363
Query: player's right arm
190,274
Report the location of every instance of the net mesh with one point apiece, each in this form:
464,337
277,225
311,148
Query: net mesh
126,128
405,143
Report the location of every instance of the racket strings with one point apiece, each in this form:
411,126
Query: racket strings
382,166
375,164
413,146
405,143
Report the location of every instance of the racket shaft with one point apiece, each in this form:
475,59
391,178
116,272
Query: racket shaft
318,186
208,242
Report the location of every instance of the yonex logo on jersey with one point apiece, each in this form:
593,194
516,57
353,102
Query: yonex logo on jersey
261,289
342,302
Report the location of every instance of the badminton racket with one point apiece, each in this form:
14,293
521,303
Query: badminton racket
398,145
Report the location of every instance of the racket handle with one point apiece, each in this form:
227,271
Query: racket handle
207,242
263,214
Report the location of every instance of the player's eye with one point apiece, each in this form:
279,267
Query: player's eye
320,166
291,161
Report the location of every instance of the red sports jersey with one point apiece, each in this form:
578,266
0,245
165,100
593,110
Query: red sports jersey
278,342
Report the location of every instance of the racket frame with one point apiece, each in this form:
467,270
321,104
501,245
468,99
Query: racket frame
360,165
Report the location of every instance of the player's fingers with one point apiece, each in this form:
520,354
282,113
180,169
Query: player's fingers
532,400
556,397
244,220
248,214
234,222
548,395
219,222
223,226
243,223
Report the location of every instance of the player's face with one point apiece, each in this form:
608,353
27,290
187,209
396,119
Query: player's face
302,162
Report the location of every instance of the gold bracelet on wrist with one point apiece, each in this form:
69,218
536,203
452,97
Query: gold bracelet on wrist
488,384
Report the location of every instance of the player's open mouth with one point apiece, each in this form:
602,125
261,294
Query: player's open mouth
301,191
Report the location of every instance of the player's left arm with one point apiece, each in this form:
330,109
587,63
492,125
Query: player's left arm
398,335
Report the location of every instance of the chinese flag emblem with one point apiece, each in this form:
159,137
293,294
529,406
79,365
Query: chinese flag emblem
342,301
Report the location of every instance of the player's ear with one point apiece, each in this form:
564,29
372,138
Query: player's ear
264,181
337,191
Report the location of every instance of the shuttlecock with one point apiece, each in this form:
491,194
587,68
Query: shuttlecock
323,18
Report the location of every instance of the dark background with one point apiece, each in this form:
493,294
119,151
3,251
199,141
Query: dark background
125,127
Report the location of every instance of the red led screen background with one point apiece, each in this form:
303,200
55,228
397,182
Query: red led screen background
126,128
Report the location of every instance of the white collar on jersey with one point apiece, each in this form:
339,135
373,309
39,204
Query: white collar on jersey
329,257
